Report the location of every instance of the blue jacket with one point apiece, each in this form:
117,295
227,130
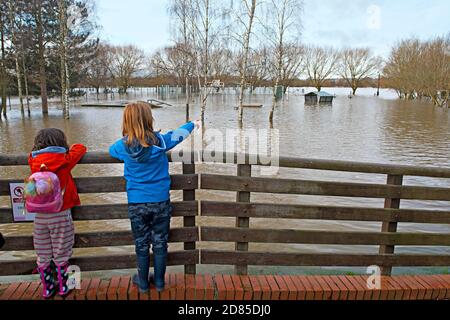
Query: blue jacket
147,169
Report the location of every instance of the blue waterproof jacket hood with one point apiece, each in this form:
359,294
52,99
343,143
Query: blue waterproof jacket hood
139,153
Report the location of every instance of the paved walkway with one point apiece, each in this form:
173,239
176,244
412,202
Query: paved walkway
231,287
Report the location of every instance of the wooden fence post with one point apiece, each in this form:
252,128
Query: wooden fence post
189,195
243,170
390,226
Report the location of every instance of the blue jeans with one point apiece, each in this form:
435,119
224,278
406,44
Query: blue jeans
150,223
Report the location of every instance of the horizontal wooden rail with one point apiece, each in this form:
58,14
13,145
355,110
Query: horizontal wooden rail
101,239
336,165
99,262
323,237
304,212
95,158
288,162
321,188
111,211
113,184
120,211
219,257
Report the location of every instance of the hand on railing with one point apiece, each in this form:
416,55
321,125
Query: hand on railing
198,124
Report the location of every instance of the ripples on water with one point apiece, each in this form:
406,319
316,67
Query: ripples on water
364,128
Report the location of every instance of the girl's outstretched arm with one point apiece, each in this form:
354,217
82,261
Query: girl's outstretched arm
113,151
174,138
76,152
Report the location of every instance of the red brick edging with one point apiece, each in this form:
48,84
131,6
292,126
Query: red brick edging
262,287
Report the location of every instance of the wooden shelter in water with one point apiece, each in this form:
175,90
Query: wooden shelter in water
320,97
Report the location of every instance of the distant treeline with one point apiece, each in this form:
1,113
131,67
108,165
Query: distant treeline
50,47
234,82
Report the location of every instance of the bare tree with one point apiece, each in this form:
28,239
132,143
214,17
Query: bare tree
125,61
180,11
321,63
221,62
200,23
98,73
292,65
174,62
401,69
283,23
258,69
436,67
25,80
246,20
356,65
204,32
418,69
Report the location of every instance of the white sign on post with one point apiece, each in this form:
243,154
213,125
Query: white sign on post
18,203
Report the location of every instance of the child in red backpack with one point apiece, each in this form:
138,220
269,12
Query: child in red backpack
53,234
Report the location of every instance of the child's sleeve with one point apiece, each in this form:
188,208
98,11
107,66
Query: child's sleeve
174,138
114,153
76,152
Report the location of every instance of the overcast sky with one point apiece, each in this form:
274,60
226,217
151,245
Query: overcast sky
374,23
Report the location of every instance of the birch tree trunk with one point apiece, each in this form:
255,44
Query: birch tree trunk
248,31
279,66
204,95
16,53
274,101
25,80
283,30
41,58
63,58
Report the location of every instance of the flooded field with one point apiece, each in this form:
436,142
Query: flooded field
365,129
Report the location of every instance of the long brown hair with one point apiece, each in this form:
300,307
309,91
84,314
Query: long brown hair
137,124
50,138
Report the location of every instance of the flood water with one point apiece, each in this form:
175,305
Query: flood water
365,129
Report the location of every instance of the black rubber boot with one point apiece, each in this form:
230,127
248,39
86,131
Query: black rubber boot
48,282
63,278
141,279
159,263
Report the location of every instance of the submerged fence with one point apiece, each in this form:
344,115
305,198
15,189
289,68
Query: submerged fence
243,210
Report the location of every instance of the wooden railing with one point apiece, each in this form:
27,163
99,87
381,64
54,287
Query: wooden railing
243,210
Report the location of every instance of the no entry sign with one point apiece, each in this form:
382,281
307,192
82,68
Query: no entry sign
18,203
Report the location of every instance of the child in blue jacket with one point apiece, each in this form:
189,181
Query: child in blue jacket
148,187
